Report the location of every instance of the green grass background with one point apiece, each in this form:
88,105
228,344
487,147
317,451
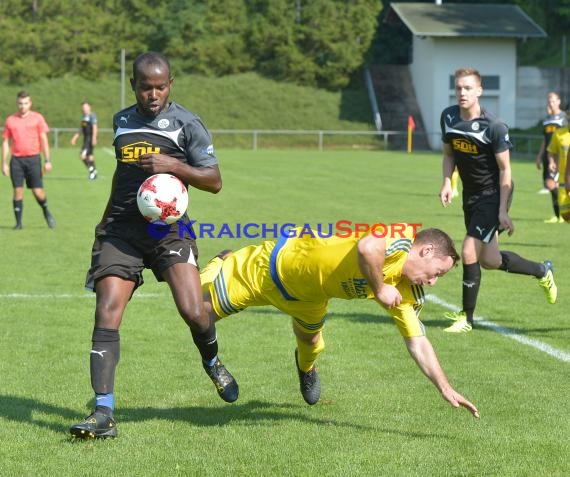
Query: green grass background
243,101
378,414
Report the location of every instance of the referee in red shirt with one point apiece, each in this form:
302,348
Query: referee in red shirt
26,132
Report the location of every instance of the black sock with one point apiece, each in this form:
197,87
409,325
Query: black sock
104,410
104,357
514,263
555,206
206,342
18,209
471,283
90,165
43,205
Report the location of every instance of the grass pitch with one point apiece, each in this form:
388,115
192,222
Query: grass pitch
378,414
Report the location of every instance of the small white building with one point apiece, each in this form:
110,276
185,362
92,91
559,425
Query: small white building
450,36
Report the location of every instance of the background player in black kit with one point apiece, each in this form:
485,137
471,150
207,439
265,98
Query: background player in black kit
478,143
89,129
151,137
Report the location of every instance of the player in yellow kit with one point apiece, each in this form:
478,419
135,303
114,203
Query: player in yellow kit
557,155
300,273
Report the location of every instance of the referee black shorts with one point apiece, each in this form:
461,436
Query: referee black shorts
29,168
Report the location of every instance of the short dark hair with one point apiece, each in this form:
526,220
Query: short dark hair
150,58
22,94
443,243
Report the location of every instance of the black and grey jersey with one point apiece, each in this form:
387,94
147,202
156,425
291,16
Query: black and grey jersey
175,132
474,144
551,123
87,123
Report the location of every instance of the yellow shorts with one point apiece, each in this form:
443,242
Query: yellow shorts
244,279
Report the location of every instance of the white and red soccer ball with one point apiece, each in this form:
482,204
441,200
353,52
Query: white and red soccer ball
162,197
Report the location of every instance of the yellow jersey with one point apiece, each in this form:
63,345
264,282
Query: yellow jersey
299,274
559,146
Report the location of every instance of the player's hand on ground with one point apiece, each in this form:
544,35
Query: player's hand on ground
389,296
456,400
445,195
157,163
506,223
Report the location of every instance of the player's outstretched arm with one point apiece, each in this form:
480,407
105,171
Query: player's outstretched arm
424,355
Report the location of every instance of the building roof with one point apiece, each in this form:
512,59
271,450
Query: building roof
467,20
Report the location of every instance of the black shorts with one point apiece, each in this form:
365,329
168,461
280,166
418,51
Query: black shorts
29,168
125,249
87,150
546,173
481,214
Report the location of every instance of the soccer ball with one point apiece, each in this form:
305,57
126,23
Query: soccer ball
162,197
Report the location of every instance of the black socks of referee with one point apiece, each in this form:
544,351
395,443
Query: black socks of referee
43,205
471,283
18,209
514,263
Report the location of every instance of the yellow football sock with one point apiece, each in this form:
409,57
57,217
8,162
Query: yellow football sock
308,353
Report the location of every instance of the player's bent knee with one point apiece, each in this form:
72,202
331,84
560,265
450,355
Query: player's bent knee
193,313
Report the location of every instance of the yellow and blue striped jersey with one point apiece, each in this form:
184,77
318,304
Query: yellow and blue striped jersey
311,268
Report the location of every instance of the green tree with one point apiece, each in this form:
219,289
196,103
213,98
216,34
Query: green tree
311,42
211,38
317,42
56,37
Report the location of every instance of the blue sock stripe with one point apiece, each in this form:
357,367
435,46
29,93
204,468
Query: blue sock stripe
107,400
211,362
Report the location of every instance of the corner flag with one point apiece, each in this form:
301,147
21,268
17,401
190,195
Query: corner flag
411,128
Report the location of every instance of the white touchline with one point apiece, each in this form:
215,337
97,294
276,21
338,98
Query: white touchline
109,151
555,353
